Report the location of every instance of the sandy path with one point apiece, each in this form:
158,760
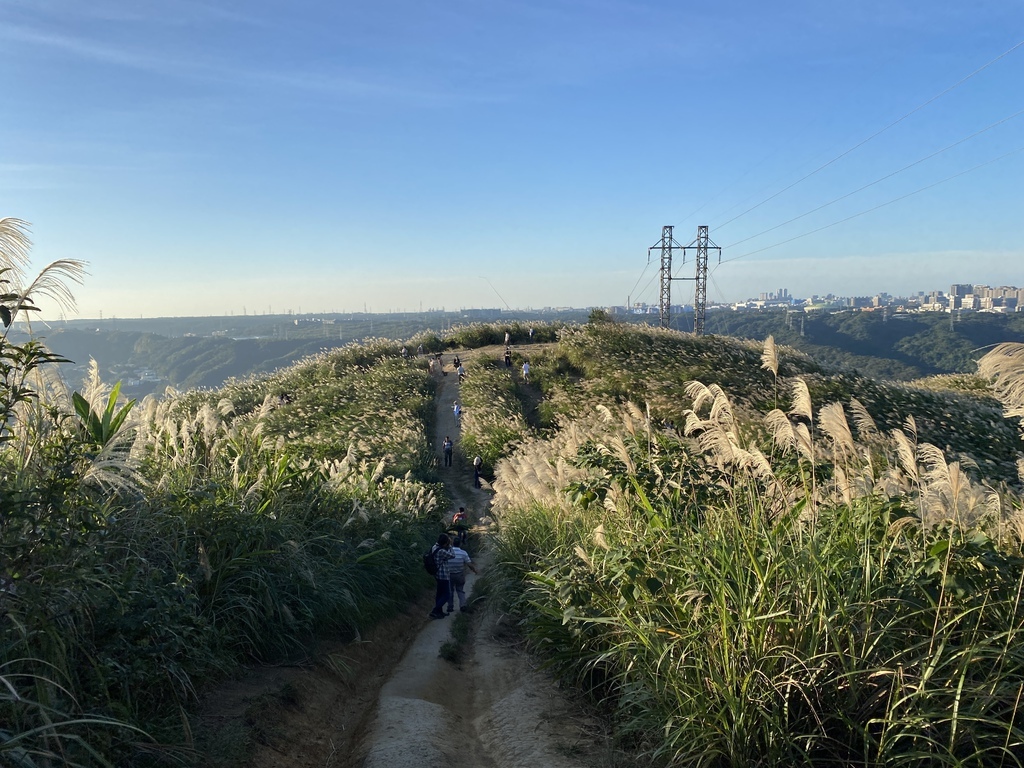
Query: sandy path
495,710
393,702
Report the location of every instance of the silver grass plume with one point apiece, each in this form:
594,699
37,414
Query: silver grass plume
866,428
701,395
757,464
15,245
832,421
906,454
720,443
843,485
1004,366
910,424
721,409
770,356
781,429
801,400
804,443
52,282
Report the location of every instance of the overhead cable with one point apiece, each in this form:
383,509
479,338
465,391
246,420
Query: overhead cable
875,208
877,133
879,180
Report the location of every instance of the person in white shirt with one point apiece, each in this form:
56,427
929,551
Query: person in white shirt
526,371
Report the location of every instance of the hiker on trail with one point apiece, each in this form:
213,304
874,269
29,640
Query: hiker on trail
443,555
477,465
460,524
456,362
508,357
531,334
405,352
526,371
457,410
462,372
419,350
508,338
446,448
457,578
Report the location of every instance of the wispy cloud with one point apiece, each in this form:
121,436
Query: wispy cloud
180,12
332,84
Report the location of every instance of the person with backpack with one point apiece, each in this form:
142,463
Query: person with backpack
438,559
446,448
457,411
457,576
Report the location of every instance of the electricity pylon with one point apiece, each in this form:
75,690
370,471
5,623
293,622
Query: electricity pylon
700,292
666,244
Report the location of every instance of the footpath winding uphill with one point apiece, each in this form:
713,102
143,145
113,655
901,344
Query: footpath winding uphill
390,701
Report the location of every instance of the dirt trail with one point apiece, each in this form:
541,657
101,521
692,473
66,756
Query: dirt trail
391,701
495,710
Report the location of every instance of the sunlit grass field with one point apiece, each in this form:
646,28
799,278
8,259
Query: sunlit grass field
747,560
744,558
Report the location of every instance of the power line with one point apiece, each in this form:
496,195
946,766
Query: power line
642,273
881,205
881,64
879,180
877,133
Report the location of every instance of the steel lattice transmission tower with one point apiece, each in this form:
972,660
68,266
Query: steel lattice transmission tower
700,299
700,291
666,244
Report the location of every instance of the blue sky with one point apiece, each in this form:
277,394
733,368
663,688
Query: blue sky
214,157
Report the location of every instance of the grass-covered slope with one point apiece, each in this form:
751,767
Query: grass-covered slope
144,559
774,566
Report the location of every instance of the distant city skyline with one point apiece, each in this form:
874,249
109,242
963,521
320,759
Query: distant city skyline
780,295
208,155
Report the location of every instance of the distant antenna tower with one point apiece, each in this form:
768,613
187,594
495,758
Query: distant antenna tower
666,244
700,292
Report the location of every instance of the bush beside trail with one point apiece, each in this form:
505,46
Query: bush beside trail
206,530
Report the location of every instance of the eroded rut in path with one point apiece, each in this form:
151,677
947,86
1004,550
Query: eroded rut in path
391,701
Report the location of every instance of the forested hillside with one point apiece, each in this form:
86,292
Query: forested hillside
899,346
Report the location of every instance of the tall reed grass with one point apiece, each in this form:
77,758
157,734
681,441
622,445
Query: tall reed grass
206,530
807,589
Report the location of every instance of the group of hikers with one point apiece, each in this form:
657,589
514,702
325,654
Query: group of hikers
450,561
448,450
448,558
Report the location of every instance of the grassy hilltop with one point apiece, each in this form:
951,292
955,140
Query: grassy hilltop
747,558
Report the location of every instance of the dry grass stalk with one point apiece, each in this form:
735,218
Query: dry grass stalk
1004,366
801,400
770,356
832,421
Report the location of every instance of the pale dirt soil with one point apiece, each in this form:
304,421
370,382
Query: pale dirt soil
389,700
